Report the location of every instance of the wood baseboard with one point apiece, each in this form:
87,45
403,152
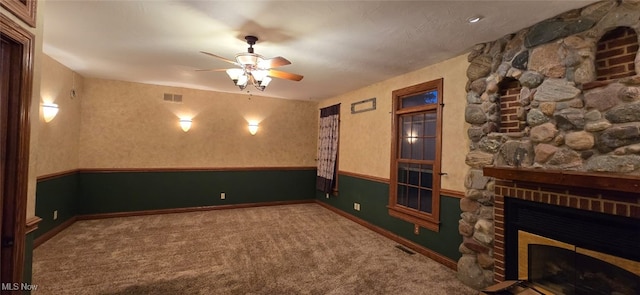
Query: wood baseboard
50,234
394,237
188,209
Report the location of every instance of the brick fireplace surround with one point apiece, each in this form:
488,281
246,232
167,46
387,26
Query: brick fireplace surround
594,192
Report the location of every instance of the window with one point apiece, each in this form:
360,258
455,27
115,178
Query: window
414,190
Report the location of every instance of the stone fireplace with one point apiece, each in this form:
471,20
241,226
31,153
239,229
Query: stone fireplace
554,114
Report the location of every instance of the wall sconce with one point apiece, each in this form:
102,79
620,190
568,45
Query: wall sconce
253,128
185,124
49,111
474,19
413,137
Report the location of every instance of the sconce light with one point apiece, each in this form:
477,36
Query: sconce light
474,19
253,128
185,124
412,138
49,111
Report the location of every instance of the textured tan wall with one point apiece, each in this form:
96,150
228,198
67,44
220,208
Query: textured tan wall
365,138
128,125
58,140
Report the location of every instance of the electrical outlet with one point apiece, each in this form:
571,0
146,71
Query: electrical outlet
223,196
55,214
327,195
356,206
416,229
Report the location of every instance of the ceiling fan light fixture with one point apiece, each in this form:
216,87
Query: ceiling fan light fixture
263,63
265,81
234,74
259,75
242,80
248,59
254,69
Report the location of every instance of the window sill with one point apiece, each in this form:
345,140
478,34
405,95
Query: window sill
421,219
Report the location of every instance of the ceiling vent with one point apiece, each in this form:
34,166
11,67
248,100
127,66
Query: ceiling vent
175,98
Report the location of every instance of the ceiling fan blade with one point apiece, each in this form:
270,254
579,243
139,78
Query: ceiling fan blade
275,62
211,70
285,75
221,58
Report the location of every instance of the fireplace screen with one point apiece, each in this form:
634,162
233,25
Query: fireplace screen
563,271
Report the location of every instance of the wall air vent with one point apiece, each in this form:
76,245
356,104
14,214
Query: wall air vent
405,249
363,106
175,98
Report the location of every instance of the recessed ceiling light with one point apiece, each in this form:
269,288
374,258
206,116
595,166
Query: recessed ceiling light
474,19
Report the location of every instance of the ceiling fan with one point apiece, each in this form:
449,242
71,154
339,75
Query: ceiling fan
254,68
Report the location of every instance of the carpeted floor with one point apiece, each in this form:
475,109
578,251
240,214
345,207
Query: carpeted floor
293,249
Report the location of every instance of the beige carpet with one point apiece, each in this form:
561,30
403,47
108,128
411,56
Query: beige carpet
293,249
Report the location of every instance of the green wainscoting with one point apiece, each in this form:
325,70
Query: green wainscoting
373,197
59,193
135,191
86,192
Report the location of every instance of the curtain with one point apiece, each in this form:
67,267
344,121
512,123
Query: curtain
328,148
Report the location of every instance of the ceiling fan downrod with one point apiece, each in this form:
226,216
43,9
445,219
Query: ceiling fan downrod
251,40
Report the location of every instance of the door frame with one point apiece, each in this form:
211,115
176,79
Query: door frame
15,176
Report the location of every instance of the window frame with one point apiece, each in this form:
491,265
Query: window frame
431,220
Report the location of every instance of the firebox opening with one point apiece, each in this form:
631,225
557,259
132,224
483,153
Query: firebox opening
611,239
565,271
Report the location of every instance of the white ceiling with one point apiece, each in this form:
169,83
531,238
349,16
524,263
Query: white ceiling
338,46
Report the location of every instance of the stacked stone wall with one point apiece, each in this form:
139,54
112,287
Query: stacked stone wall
568,120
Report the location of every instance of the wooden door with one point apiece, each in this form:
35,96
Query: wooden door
16,51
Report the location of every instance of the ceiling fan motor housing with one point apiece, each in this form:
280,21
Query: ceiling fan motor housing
251,40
